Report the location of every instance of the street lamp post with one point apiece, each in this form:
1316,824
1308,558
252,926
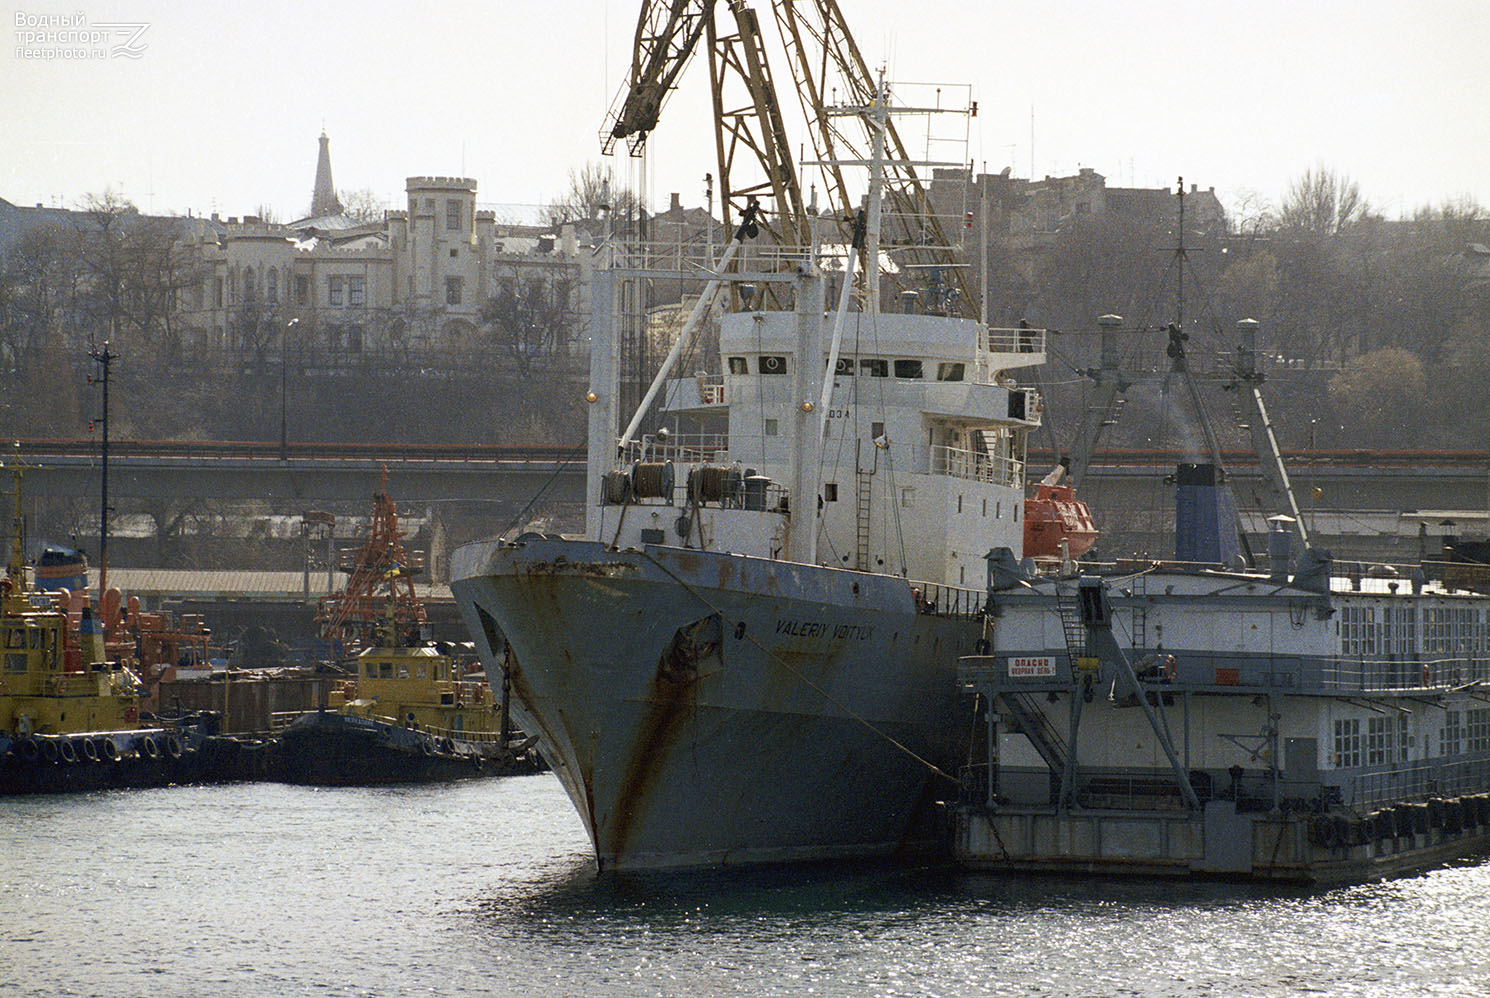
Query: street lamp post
103,356
284,378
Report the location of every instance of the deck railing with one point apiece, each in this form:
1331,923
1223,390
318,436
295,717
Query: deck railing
977,466
1420,780
280,720
682,448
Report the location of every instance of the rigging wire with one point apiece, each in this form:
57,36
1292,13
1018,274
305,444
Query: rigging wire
568,458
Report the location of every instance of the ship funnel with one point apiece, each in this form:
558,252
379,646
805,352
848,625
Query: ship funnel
1204,516
1280,546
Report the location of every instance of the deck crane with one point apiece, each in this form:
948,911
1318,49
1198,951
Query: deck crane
754,155
350,621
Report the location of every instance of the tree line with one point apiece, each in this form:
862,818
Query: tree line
1376,331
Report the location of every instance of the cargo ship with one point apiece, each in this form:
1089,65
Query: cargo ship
751,655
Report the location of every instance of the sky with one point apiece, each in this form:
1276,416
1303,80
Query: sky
218,107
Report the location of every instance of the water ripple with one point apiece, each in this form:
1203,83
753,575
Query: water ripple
487,888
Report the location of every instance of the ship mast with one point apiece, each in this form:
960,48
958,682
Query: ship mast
15,569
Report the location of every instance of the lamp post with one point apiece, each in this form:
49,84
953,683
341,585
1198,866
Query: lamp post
284,378
103,356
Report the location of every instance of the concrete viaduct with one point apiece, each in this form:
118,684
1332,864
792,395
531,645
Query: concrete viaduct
289,479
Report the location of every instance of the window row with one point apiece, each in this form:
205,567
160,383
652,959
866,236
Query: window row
868,367
1367,630
346,290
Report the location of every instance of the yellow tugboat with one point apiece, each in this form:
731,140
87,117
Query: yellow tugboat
410,715
69,718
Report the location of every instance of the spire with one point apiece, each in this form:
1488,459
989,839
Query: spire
323,200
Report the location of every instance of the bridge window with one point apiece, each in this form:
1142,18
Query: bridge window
737,365
1378,741
1450,736
908,369
875,368
773,427
830,492
947,371
1347,742
773,365
844,368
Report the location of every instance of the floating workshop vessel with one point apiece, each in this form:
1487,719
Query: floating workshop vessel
1312,722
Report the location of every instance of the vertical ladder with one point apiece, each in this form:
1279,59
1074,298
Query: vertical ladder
1068,603
1140,616
863,499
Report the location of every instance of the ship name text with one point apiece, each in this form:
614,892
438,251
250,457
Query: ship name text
818,629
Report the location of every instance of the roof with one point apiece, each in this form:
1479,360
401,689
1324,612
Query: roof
16,221
338,220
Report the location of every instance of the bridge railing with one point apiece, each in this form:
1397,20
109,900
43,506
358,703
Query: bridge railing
263,450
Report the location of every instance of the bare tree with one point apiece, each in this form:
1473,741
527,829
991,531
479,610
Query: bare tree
1378,394
1323,202
363,204
590,191
40,278
136,268
531,317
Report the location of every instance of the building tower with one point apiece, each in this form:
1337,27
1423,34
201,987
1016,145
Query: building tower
323,200
437,244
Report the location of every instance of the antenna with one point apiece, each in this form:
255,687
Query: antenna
1032,142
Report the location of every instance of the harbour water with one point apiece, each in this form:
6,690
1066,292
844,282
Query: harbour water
486,888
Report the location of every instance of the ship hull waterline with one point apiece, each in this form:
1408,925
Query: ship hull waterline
705,709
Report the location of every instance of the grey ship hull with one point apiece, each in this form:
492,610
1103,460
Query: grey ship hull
705,709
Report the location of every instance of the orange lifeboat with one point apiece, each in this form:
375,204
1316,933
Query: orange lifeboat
1054,514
